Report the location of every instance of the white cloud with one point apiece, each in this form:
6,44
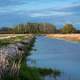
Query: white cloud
34,11
52,13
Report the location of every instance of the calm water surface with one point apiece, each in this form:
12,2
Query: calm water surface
59,54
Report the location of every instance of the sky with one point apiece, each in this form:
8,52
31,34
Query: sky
58,12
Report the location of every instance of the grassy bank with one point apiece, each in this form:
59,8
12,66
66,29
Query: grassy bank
12,38
26,72
15,58
34,73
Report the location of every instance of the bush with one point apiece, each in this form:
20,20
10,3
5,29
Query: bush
68,28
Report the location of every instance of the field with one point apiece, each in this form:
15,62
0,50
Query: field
4,36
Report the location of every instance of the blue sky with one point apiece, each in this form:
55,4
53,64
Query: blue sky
57,12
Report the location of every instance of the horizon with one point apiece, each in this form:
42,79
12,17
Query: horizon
57,27
57,12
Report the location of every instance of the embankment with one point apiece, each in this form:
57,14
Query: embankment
11,56
13,53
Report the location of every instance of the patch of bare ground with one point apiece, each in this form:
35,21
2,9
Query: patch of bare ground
73,37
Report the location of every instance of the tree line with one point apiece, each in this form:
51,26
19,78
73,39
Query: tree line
38,28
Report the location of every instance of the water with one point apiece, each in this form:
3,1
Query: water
59,54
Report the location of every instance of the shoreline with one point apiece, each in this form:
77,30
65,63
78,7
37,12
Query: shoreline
68,37
15,58
11,56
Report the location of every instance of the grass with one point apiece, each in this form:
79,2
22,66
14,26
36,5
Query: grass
25,72
4,42
28,73
46,71
33,73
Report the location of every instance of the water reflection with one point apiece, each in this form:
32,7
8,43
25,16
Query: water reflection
59,54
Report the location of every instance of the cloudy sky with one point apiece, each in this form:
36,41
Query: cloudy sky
57,12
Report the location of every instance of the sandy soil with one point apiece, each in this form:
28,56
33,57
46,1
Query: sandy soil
73,37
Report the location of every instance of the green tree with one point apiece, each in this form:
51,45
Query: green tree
68,28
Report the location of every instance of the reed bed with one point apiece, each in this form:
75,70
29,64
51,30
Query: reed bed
11,55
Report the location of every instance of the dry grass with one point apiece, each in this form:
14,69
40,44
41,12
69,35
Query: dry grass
11,54
5,36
